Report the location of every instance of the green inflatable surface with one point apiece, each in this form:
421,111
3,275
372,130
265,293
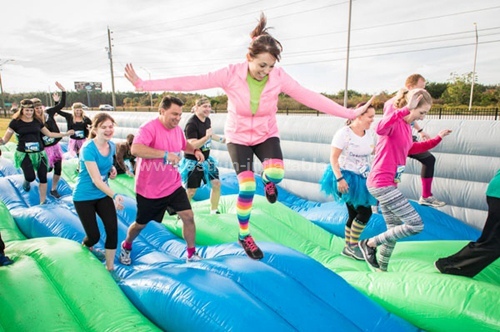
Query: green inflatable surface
56,285
412,289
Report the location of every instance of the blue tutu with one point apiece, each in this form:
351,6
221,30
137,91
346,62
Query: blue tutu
209,169
357,195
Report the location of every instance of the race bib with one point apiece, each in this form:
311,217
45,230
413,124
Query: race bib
79,133
32,147
207,145
399,172
48,140
364,170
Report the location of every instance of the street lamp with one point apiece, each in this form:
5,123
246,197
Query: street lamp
150,93
2,62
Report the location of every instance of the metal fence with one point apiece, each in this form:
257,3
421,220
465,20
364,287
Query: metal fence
434,113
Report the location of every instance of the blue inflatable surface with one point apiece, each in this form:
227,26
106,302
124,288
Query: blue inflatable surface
285,291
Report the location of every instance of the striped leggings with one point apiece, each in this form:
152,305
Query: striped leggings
400,217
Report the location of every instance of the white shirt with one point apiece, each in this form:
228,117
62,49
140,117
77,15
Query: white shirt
357,151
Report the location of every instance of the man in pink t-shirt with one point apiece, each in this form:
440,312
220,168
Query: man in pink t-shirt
158,146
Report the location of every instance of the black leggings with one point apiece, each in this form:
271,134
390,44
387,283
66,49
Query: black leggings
58,167
2,245
476,256
428,161
362,214
29,171
242,155
105,209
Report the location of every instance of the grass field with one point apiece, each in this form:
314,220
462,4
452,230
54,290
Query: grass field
4,123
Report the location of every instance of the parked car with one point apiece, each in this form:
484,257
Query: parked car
106,107
85,107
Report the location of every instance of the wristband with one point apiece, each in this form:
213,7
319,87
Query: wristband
221,139
114,196
420,130
340,179
165,158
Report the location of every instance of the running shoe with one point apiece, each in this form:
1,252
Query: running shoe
251,248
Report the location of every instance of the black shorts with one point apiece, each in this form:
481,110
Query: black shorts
196,176
154,208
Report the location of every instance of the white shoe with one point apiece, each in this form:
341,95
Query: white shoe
125,256
431,201
194,258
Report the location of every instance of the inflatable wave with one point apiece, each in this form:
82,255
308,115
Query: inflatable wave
285,291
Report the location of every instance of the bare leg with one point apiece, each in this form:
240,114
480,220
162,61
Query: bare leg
133,231
215,195
55,181
188,227
110,259
43,192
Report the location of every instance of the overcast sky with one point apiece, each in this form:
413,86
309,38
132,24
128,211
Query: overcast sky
67,41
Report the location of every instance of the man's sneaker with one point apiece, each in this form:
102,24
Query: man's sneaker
26,186
194,258
369,254
271,192
251,248
353,252
5,260
55,194
125,256
431,201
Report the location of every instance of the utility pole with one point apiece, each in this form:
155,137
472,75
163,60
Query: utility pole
150,93
1,86
474,70
110,56
346,86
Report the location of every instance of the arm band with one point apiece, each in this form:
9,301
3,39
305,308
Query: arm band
340,179
114,196
420,130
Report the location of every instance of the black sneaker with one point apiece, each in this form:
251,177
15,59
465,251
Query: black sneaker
251,248
26,186
5,260
55,194
369,253
271,192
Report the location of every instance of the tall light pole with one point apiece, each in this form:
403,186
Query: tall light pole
2,62
346,87
110,56
474,70
150,93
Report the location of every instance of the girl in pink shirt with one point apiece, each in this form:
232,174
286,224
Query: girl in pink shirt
394,144
252,88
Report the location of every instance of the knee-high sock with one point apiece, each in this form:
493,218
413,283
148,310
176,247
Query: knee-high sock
274,170
356,229
246,182
426,187
347,236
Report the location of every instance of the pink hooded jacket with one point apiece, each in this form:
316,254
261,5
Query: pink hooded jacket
243,127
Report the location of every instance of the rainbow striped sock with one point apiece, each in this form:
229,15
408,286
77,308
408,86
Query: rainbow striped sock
246,181
274,170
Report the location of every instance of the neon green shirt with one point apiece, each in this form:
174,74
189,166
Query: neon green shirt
256,88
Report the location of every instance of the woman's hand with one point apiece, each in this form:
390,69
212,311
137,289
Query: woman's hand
130,74
113,173
360,110
444,132
70,132
415,99
342,186
118,200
